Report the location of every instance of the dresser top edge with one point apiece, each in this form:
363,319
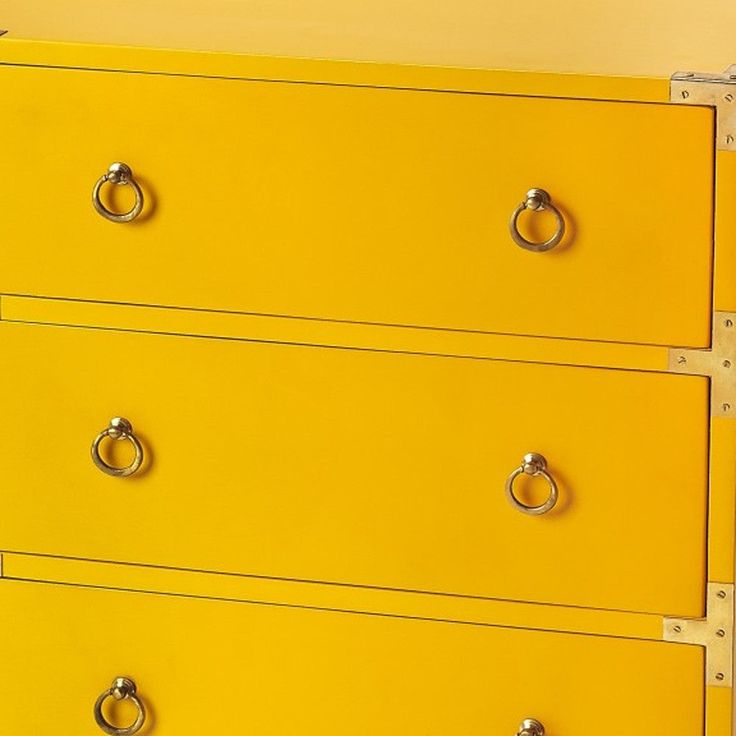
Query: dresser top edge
609,37
223,65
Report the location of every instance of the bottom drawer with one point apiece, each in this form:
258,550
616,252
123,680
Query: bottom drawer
215,667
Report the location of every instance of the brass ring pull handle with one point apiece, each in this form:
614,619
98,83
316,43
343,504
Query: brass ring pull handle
536,201
119,429
530,727
121,175
535,465
122,688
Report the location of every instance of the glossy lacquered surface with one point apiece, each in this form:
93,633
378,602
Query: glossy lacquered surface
201,666
356,466
364,204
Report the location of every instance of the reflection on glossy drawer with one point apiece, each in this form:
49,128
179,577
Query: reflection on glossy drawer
360,467
201,666
365,204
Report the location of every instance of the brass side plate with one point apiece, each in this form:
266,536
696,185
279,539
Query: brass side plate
719,363
713,90
714,632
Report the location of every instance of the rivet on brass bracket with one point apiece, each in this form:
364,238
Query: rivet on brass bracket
714,632
719,363
713,90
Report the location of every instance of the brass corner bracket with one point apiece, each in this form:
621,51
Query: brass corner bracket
719,363
714,632
713,90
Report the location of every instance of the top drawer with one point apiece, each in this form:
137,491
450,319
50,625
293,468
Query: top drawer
365,204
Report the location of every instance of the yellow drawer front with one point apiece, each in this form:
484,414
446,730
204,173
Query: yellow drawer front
359,467
211,667
365,204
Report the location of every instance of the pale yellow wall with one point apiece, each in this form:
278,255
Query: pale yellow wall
639,37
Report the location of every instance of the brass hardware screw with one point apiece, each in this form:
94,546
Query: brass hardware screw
721,633
726,363
677,629
681,359
728,97
726,407
685,94
721,594
720,676
729,138
728,322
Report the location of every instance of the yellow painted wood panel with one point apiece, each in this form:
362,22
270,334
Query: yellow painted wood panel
373,205
359,467
725,232
203,665
718,711
620,37
722,500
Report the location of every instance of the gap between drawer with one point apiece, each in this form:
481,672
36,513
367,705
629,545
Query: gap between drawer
330,333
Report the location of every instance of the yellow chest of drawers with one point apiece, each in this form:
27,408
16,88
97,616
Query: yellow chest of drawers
389,395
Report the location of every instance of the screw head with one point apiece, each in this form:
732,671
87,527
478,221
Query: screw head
721,593
720,633
726,363
685,94
726,407
728,97
681,359
720,676
729,139
677,629
728,322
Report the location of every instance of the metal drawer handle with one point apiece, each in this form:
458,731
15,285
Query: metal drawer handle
119,174
536,201
533,464
119,429
530,727
122,688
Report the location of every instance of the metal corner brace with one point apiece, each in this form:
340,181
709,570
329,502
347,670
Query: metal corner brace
719,363
713,90
714,632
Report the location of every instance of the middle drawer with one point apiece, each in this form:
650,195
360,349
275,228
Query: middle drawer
359,467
